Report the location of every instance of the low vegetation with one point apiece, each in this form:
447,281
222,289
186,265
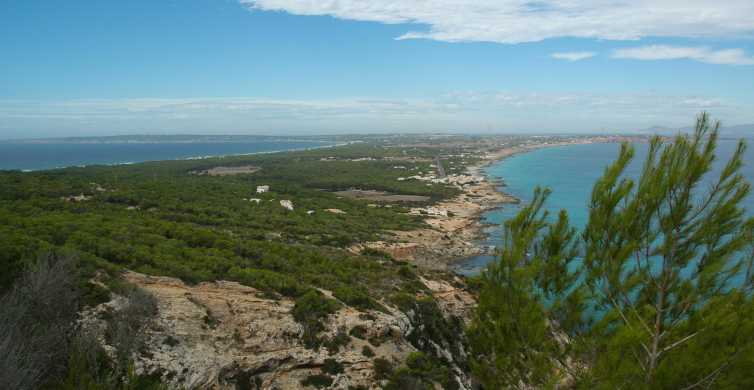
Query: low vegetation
421,372
317,380
310,310
44,348
38,314
159,219
163,218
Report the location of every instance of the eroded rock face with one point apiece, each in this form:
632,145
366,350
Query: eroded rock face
453,301
224,335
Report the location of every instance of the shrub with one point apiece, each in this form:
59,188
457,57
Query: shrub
90,368
421,372
376,341
406,272
332,367
268,281
366,351
334,343
38,316
404,301
382,368
318,380
356,297
125,330
403,378
376,253
367,317
171,341
310,309
358,331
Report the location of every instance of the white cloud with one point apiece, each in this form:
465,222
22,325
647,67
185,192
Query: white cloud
701,54
573,55
463,111
516,21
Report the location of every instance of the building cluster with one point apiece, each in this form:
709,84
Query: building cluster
460,181
331,158
76,198
285,203
429,210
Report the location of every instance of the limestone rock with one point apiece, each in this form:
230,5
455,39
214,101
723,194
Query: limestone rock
221,335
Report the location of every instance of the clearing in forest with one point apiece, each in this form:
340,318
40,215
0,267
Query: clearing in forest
381,196
227,171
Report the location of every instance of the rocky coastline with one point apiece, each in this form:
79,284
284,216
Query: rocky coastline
455,229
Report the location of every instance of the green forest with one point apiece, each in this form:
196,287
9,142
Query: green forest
160,218
165,218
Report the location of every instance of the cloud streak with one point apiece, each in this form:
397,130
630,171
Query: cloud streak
517,21
463,111
701,54
573,55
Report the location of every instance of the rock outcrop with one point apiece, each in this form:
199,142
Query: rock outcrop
224,335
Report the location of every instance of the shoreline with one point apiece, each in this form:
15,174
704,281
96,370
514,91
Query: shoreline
115,164
450,240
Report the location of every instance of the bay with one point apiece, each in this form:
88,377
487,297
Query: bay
36,156
570,172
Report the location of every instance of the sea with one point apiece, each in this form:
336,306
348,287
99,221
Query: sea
570,171
31,156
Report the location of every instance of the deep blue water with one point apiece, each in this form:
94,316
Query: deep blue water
570,171
34,156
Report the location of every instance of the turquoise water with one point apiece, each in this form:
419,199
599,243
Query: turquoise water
570,171
34,156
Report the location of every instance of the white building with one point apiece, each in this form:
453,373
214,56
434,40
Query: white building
287,204
262,189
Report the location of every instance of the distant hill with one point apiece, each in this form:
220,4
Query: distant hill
175,138
738,131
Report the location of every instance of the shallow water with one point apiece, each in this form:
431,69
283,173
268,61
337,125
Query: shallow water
570,171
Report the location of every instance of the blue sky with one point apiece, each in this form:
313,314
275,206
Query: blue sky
89,67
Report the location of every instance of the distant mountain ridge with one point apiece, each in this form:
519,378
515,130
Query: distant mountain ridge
737,131
176,138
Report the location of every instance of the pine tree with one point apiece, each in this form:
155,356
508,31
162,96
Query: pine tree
665,272
510,337
658,249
